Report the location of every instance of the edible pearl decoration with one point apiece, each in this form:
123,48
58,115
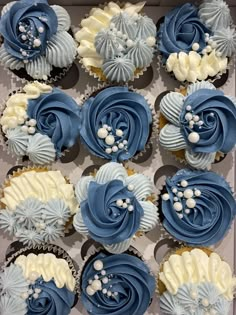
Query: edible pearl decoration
114,148
31,130
187,211
188,193
124,205
208,48
108,150
24,128
102,133
98,265
130,187
165,197
191,203
41,29
195,46
129,43
197,193
180,215
193,137
119,202
205,302
90,291
120,145
193,295
37,42
178,206
32,122
110,140
37,290
174,190
151,41
105,280
184,183
130,208
35,295
119,132
25,295
196,118
188,116
180,194
188,107
96,285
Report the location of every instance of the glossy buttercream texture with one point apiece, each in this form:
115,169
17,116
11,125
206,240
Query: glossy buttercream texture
36,37
198,207
202,123
121,210
196,42
37,284
116,123
40,122
124,285
196,283
37,206
116,40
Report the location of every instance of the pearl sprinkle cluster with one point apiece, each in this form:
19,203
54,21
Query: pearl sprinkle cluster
29,126
100,281
193,120
32,293
112,139
126,203
210,46
187,198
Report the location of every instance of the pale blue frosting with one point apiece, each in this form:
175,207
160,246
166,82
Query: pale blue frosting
29,237
57,116
120,69
107,44
55,210
63,18
52,233
225,40
7,221
17,141
125,24
140,54
120,109
51,301
12,305
129,277
184,304
145,27
181,29
40,149
211,217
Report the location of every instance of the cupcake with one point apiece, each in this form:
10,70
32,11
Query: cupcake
116,123
197,207
36,42
37,205
116,43
198,124
196,281
196,43
39,122
37,281
116,284
114,205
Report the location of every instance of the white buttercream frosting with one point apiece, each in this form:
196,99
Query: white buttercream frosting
196,266
49,267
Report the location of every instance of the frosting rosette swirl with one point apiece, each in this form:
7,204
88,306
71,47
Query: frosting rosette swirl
198,207
51,300
116,123
114,206
126,288
181,29
57,116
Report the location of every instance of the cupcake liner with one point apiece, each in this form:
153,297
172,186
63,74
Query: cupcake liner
99,75
153,130
43,249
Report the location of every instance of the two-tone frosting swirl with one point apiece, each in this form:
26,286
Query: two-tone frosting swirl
123,286
115,124
198,207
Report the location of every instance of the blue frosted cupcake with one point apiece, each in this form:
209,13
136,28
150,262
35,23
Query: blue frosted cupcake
197,207
40,123
196,43
116,123
36,42
39,280
116,284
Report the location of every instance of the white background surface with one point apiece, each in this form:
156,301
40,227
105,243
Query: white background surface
159,81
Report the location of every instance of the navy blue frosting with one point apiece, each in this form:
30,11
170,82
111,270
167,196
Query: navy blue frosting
218,114
208,222
32,15
51,300
128,276
106,221
57,116
121,109
181,29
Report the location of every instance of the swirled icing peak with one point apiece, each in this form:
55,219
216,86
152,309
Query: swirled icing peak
145,27
120,69
197,268
125,24
140,54
198,207
215,14
124,285
108,45
225,40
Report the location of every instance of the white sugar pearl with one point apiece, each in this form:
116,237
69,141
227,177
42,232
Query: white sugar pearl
187,211
105,126
119,34
174,190
108,150
191,123
130,187
90,291
90,281
131,208
114,148
98,265
184,183
180,194
109,293
24,53
178,206
119,132
165,197
110,140
60,222
109,128
41,29
191,203
193,137
31,130
103,272
32,122
102,133
96,277
188,116
205,302
105,280
33,276
204,51
151,41
188,193
119,202
30,291
218,54
104,291
35,295
196,118
197,193
195,46
20,120
115,293
208,48
25,295
127,200
125,36
24,37
96,285
129,43
210,41
176,198
180,215
193,295
37,42
200,123
120,145
188,107
21,29
207,34
37,290
125,142
124,205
